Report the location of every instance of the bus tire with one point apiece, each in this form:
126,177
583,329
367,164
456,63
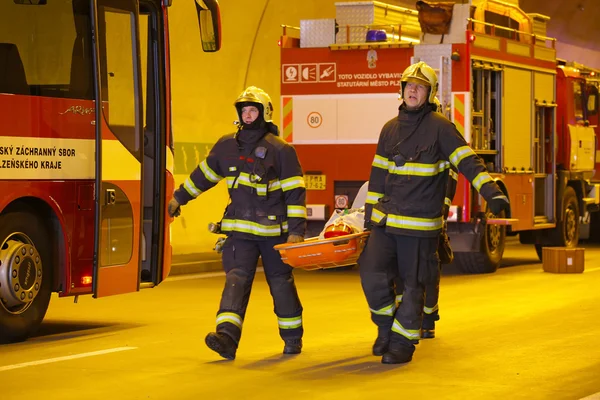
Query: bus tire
25,275
488,258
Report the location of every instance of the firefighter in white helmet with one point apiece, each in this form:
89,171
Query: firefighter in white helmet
407,187
267,208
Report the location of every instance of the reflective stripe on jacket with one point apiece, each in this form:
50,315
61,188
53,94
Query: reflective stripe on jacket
410,175
265,183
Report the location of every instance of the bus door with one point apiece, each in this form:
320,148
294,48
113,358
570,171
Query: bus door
119,147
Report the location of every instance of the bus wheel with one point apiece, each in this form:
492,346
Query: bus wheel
488,258
25,275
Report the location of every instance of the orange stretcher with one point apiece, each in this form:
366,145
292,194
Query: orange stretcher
315,253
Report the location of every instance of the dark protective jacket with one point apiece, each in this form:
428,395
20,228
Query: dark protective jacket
264,180
410,171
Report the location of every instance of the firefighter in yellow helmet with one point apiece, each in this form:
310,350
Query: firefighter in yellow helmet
404,207
267,207
432,291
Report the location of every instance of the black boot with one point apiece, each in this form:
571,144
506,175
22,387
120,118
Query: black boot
222,344
380,347
292,346
398,354
427,333
428,326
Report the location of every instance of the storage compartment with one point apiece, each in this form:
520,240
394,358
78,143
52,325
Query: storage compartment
561,260
325,253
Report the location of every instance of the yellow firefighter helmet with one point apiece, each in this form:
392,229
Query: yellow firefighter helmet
255,95
423,74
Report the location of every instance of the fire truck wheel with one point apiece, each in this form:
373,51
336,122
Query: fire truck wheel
488,259
566,233
25,275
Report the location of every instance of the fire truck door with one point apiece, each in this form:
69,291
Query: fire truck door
119,148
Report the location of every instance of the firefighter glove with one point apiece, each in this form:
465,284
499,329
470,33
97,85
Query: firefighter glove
498,204
293,238
174,209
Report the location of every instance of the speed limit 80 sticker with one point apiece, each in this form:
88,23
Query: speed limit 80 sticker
314,119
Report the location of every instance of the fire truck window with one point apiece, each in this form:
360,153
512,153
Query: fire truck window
578,101
592,104
119,74
502,21
592,100
45,49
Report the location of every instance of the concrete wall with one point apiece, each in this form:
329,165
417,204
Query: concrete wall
204,86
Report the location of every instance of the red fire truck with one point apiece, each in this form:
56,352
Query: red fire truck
84,188
530,116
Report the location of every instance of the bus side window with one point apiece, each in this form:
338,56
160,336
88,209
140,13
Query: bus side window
12,72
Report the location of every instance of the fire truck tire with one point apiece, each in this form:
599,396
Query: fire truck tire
19,321
566,232
488,259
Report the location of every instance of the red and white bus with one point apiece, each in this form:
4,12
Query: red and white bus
84,188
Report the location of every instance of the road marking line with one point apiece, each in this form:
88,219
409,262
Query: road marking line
202,275
65,358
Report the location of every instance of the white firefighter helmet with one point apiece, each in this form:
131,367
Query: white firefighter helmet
423,74
255,95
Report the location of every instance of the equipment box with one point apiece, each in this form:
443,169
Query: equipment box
562,260
324,253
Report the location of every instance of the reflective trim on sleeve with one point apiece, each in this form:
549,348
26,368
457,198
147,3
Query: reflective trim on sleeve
454,174
209,173
398,298
296,211
447,201
411,334
481,179
380,162
292,183
290,323
230,317
387,310
419,169
377,216
430,310
414,223
460,154
240,225
373,197
191,188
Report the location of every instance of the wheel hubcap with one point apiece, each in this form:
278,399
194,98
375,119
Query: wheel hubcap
20,273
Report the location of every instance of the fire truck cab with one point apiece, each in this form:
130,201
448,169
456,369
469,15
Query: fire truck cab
531,117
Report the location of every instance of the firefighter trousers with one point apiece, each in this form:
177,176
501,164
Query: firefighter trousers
240,258
417,266
432,296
